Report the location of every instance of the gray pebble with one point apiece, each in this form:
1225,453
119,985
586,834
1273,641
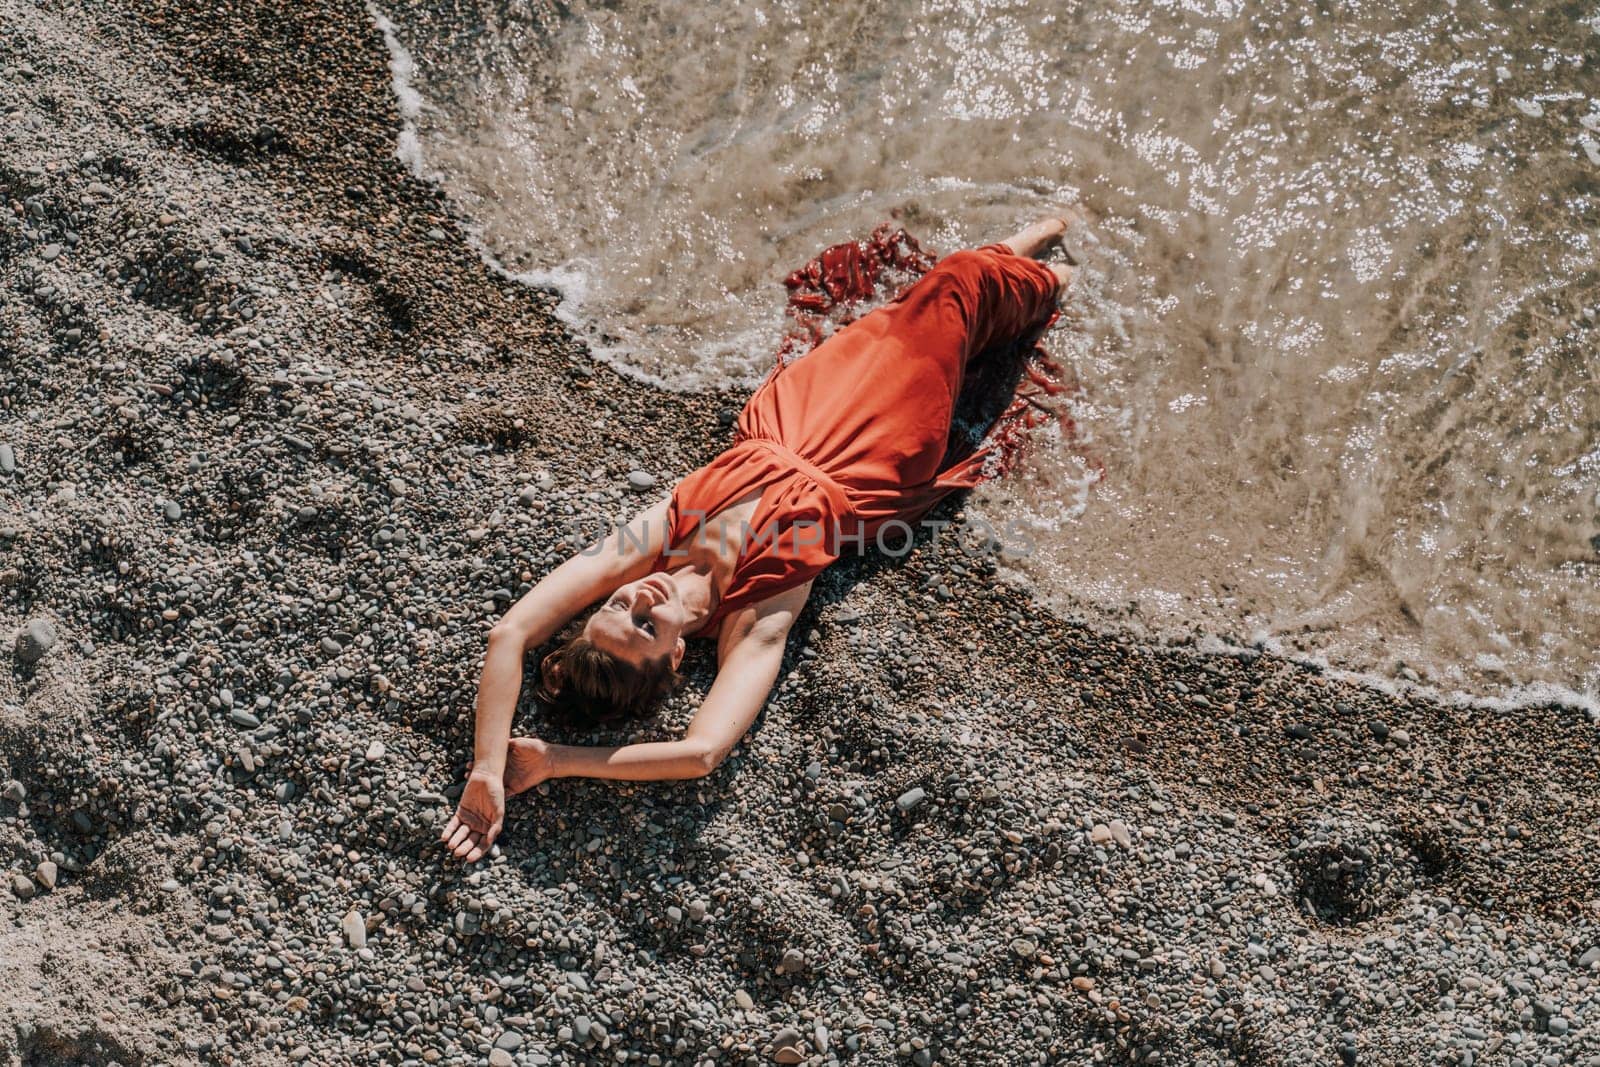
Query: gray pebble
640,480
34,640
910,799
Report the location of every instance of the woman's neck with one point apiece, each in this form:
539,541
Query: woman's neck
697,591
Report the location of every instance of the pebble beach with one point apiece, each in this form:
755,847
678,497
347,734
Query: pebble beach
277,448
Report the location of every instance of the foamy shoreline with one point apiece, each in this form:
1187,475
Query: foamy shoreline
1393,631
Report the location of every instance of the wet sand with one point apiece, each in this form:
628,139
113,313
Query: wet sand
279,449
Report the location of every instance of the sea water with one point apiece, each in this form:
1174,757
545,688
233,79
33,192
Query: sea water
1333,341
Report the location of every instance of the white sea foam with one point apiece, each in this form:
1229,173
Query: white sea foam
408,101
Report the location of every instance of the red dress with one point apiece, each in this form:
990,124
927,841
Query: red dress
850,437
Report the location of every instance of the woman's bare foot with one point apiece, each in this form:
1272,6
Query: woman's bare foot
1031,240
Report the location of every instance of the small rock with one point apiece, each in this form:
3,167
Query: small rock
46,874
51,251
375,751
788,1039
910,799
8,459
355,929
34,640
640,480
1558,1026
793,962
1024,948
1120,833
14,791
743,999
1590,958
510,1041
22,887
499,1057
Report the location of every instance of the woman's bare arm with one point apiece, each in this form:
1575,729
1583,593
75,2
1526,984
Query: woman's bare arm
625,555
750,653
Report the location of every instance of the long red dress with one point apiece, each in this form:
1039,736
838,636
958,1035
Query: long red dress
850,436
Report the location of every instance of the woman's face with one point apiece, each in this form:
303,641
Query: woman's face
640,622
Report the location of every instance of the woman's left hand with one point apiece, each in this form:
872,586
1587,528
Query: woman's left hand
528,762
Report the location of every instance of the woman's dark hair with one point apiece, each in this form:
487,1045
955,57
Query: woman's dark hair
583,685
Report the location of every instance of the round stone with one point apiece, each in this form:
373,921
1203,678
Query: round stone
911,799
34,640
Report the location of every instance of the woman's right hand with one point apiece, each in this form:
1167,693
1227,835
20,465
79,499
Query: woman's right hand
479,816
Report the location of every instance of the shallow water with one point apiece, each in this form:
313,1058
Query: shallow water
1336,324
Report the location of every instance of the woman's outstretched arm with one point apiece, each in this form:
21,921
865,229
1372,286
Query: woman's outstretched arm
750,653
625,555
